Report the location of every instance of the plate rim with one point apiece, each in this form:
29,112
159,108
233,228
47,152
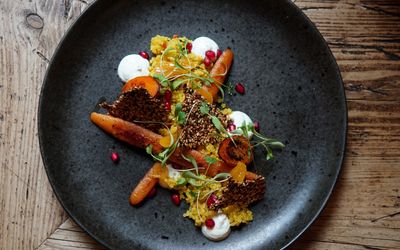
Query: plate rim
329,55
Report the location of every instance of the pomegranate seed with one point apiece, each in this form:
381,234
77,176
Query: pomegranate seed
231,127
211,200
219,53
144,54
175,199
189,47
207,62
210,223
240,88
210,55
168,95
167,106
152,192
114,157
257,126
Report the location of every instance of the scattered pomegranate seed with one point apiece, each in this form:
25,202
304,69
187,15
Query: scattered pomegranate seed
207,62
115,157
168,95
152,192
231,127
257,126
211,200
240,88
175,199
189,47
210,223
144,54
219,53
210,55
168,106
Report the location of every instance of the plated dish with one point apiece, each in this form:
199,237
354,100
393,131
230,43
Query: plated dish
292,88
172,105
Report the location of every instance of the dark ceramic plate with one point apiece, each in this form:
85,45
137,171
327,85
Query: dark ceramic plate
293,88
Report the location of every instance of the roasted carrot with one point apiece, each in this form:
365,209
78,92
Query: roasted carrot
146,184
147,82
140,137
219,72
128,132
235,149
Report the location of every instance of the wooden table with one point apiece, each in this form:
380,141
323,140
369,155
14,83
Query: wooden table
364,211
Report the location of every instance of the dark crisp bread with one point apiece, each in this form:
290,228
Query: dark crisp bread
199,130
139,107
241,194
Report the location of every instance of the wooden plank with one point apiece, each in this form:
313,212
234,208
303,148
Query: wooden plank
29,210
364,210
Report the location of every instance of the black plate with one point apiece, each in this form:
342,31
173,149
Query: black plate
293,88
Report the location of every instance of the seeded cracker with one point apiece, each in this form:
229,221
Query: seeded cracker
241,194
138,105
199,130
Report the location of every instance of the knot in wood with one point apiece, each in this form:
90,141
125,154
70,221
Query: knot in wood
34,21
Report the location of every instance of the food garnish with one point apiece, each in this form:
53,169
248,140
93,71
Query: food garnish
172,105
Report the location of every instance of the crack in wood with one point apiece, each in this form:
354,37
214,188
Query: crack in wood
346,243
360,87
386,216
389,55
315,8
67,7
42,56
379,10
83,1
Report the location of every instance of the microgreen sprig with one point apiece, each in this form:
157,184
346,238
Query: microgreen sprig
260,140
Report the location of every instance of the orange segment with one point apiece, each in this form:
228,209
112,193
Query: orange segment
238,173
165,141
146,82
207,95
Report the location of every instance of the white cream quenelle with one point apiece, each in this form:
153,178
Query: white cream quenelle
221,229
239,119
132,66
202,44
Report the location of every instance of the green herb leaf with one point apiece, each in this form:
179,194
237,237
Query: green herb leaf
222,176
204,108
189,174
193,161
217,123
149,149
181,181
175,84
162,79
270,155
178,108
211,160
194,183
181,117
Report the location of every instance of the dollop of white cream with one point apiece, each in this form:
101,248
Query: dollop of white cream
240,119
202,44
220,231
132,66
173,173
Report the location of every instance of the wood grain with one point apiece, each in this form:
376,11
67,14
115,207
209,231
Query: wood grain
364,210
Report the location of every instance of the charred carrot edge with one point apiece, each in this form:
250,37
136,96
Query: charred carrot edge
147,82
145,185
241,150
219,72
140,137
128,132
